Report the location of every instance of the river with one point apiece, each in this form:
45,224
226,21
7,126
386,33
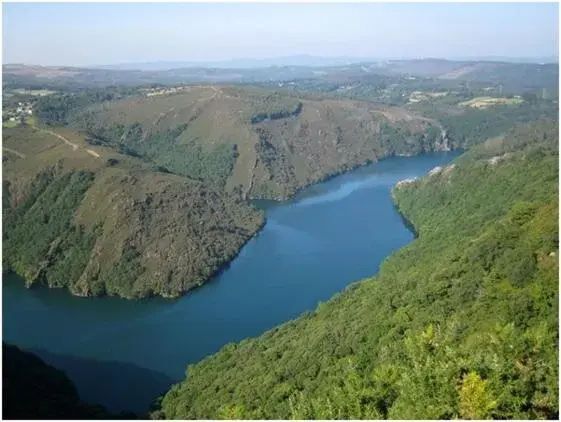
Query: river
123,354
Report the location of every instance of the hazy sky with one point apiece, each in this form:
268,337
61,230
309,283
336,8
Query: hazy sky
104,33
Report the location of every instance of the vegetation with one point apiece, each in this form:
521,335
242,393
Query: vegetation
31,389
99,222
475,126
150,182
514,78
462,323
57,109
268,143
134,195
212,165
275,106
272,143
39,239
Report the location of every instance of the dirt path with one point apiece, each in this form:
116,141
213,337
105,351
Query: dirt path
13,151
92,152
62,138
214,95
74,146
219,92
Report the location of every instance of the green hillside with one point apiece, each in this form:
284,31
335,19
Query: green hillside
31,389
99,222
261,143
140,191
264,143
461,323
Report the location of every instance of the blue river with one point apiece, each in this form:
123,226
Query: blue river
123,354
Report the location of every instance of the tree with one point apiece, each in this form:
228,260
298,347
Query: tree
475,400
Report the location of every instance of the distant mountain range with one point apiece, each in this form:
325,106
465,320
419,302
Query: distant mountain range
512,76
241,63
296,60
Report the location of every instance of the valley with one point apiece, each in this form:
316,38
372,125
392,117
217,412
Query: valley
310,248
472,303
360,241
152,152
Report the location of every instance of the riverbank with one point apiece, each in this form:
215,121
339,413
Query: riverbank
413,340
310,249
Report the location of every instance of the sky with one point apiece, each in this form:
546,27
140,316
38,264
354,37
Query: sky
81,34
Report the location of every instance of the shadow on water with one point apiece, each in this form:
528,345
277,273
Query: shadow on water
408,224
118,386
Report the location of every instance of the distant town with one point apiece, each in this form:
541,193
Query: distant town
20,112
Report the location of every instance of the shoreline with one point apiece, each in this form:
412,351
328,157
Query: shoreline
228,261
406,222
343,171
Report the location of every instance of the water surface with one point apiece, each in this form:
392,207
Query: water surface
123,353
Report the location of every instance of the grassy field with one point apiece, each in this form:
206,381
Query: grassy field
418,96
486,102
10,123
34,92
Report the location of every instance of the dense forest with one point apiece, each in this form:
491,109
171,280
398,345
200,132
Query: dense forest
31,389
57,109
39,238
462,323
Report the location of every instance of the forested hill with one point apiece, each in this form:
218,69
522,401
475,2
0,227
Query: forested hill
261,143
269,144
462,323
31,389
141,191
96,222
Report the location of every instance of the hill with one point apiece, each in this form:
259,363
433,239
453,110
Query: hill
95,221
140,191
31,389
259,142
462,323
510,75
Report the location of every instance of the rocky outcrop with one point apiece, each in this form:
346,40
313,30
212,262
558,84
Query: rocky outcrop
404,182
